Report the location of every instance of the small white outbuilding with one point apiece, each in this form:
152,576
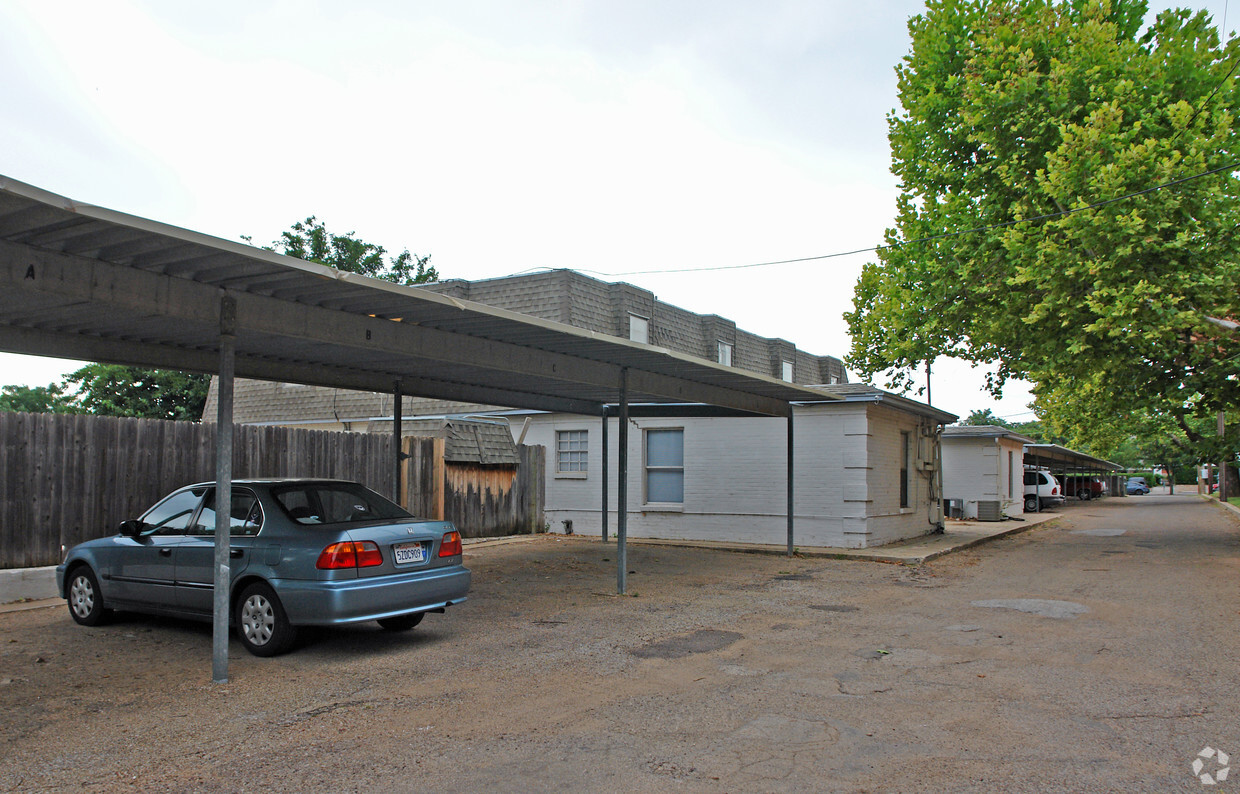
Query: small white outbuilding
983,468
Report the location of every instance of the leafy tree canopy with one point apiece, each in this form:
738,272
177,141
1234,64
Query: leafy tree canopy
114,390
49,399
1016,110
310,240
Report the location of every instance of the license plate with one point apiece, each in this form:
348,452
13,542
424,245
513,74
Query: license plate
409,552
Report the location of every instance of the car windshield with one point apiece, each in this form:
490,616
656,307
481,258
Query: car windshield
334,503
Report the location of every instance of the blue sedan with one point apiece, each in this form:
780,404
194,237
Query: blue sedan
303,553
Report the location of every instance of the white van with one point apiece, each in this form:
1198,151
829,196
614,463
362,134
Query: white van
1041,485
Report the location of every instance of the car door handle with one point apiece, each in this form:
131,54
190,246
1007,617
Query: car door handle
165,552
236,553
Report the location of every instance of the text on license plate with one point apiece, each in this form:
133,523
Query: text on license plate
409,552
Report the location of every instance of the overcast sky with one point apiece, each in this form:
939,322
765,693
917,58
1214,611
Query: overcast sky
612,138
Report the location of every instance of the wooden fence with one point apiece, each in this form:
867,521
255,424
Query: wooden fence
67,478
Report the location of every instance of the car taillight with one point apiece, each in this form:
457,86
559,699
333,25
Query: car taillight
350,554
450,546
1055,490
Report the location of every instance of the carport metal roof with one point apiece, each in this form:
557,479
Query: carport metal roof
79,281
1050,455
86,282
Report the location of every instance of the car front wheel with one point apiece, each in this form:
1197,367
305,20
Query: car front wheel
85,600
262,626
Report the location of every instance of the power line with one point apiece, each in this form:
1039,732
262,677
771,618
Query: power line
932,238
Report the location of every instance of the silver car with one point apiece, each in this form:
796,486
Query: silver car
303,553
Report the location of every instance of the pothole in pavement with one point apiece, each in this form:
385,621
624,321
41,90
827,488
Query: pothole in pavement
701,641
1061,610
794,577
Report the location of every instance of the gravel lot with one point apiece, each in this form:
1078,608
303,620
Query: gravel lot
1094,653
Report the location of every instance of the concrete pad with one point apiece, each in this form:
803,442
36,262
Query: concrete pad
1060,610
27,584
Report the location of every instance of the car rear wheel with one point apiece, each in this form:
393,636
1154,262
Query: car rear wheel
402,622
1031,504
262,626
85,600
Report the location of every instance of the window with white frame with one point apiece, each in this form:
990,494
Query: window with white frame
786,371
665,466
725,354
571,451
906,452
639,329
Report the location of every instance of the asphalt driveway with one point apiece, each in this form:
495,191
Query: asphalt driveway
1096,652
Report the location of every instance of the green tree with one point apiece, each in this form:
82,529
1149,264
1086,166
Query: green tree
983,417
49,399
114,390
1016,110
310,240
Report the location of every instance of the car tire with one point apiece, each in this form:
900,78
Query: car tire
84,597
1031,504
402,622
1086,495
262,626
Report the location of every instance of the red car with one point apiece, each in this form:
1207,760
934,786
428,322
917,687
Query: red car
1084,487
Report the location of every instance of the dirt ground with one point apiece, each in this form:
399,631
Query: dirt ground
1096,653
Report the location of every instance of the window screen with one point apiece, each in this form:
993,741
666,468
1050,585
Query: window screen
665,466
571,451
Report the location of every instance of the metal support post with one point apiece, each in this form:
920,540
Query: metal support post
223,490
398,424
622,488
791,471
605,473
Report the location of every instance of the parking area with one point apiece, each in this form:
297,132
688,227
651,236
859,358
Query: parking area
1094,652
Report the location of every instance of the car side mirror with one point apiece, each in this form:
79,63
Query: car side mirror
132,528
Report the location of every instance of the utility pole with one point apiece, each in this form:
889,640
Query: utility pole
1222,469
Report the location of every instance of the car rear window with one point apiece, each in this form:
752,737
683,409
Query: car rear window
334,503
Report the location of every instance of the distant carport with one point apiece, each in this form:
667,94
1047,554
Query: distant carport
1066,462
80,281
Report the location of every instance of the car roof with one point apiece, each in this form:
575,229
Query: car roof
277,481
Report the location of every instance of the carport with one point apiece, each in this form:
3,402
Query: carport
86,282
1063,462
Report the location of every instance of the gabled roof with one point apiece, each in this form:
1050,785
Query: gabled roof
862,392
984,431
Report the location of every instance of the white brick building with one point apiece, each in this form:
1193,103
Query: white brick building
863,464
864,472
983,465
